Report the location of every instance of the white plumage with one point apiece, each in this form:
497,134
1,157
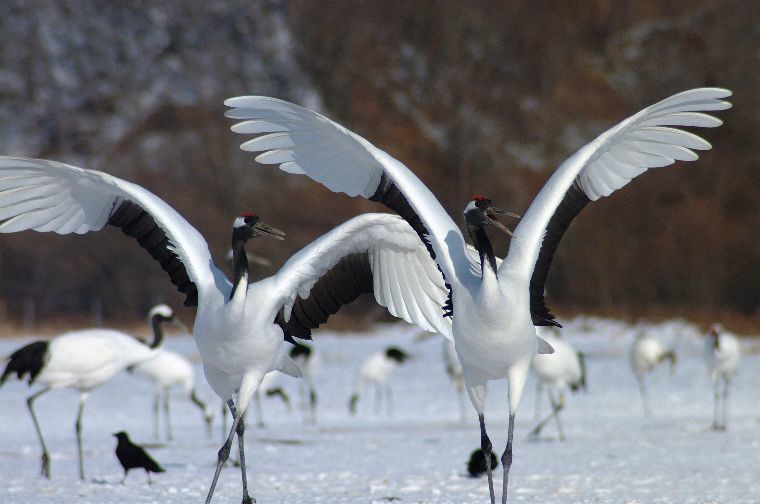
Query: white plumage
375,370
722,355
562,369
238,331
646,354
494,309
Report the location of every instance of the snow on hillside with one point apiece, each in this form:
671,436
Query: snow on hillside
418,455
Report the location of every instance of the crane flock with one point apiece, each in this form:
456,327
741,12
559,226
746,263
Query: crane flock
416,264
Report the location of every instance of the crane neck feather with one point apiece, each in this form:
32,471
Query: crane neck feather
239,262
483,245
158,331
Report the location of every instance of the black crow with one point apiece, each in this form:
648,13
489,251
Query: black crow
477,464
132,456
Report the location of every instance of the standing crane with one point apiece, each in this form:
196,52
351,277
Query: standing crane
83,360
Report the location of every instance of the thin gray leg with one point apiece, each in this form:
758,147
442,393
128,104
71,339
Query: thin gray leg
222,456
156,407
167,417
224,420
313,404
716,392
726,385
202,406
388,399
554,414
378,398
558,406
486,447
45,454
241,445
79,437
644,396
506,459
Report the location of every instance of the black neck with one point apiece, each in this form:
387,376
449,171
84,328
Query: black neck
483,245
239,262
158,332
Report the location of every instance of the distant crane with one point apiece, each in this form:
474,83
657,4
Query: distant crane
168,370
646,354
566,367
82,360
308,361
239,328
376,369
493,310
722,354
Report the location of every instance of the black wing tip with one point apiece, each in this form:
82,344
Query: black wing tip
28,359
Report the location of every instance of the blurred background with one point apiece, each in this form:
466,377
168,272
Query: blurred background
475,97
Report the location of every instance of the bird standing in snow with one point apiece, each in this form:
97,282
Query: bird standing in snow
307,360
493,310
168,370
82,360
646,354
132,456
722,354
564,368
239,328
376,369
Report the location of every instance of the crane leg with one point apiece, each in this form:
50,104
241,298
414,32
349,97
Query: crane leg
313,404
716,392
240,431
558,406
45,454
644,397
223,455
167,417
378,398
506,458
486,447
82,399
156,408
554,414
388,399
726,385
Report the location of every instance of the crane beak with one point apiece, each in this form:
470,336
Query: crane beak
491,213
269,230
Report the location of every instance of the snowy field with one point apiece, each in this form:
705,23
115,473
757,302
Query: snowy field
612,452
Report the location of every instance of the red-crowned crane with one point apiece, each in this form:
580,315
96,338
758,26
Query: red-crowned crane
493,310
83,360
722,355
646,354
239,328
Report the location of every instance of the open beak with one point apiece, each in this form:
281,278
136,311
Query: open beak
492,212
269,230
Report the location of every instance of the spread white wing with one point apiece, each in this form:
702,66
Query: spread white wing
48,196
371,253
648,139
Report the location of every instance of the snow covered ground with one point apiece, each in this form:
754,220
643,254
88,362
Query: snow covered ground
612,452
